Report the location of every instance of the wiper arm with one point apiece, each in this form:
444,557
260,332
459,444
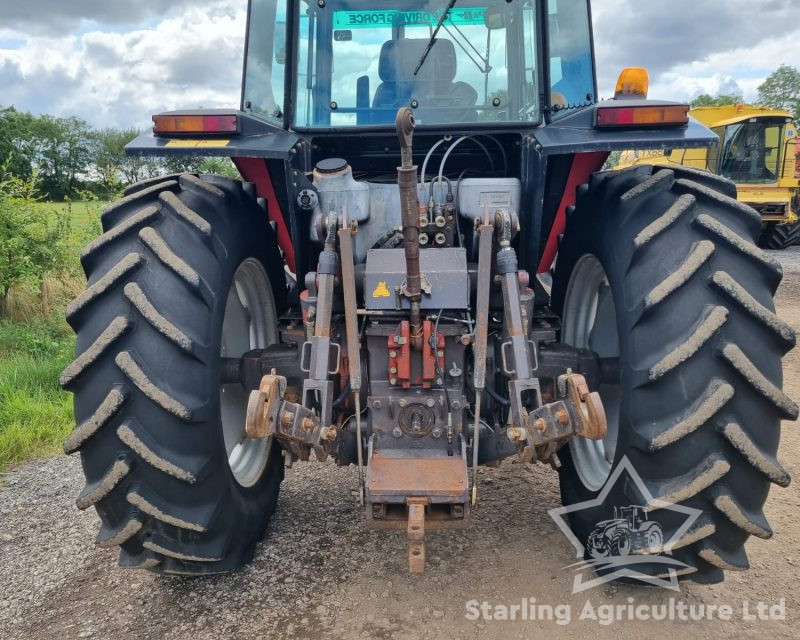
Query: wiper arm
429,46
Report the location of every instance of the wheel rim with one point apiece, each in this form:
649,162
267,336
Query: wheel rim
249,323
590,322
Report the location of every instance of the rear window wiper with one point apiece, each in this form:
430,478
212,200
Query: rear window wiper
429,46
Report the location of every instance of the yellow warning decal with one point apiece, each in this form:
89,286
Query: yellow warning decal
198,143
381,291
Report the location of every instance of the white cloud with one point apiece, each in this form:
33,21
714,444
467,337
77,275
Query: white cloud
55,16
693,47
191,60
188,53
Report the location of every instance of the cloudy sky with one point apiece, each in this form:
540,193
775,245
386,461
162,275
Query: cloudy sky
115,62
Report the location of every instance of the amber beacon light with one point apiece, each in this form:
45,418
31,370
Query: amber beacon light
633,82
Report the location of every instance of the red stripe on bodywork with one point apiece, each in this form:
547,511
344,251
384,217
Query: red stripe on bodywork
255,170
583,166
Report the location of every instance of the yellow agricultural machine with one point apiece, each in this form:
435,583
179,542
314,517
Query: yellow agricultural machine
758,152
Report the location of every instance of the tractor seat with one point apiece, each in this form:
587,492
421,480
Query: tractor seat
433,87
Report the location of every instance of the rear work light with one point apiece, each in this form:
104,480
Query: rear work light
194,124
642,116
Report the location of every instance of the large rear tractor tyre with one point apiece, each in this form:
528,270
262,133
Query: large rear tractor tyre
187,271
659,267
778,237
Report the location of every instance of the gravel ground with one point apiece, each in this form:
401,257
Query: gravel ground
321,573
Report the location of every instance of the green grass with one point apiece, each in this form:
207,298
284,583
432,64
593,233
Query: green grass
83,214
35,415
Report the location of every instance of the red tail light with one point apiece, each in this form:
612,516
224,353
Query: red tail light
642,116
175,123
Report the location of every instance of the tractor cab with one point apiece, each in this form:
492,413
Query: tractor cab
355,62
755,149
634,516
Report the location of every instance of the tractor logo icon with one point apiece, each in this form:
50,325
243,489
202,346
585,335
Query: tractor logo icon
628,530
631,545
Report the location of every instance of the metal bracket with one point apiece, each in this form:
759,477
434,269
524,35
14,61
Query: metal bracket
353,338
296,427
306,350
416,534
424,284
577,412
317,388
485,236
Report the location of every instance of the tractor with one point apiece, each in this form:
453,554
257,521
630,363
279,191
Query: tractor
628,532
758,151
422,270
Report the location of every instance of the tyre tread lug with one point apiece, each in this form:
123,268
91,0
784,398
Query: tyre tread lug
127,435
137,297
94,492
105,283
755,523
679,209
134,372
714,398
740,296
714,318
750,373
659,181
118,327
699,255
766,464
101,416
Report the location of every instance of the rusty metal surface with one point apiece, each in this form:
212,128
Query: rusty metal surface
440,478
409,214
589,408
436,519
485,240
353,339
401,369
263,406
415,532
296,427
350,306
576,413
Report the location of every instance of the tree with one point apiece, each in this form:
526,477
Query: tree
61,153
107,152
16,148
781,90
135,168
113,166
725,100
200,164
